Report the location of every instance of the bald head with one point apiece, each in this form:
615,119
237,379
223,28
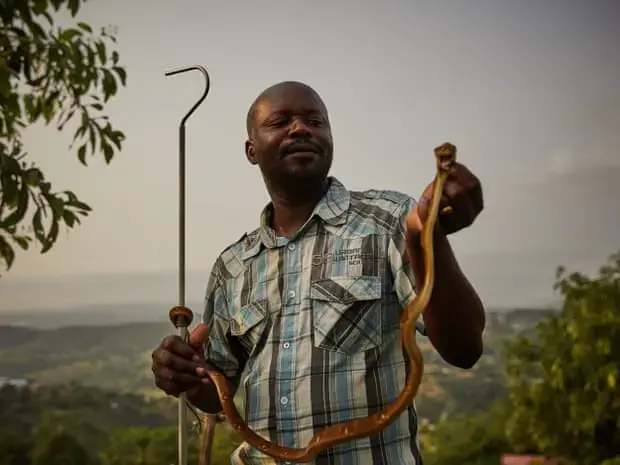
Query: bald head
277,91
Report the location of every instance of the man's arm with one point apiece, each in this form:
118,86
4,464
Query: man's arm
222,351
454,320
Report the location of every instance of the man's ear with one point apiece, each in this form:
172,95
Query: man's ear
250,153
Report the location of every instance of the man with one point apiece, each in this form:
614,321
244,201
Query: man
309,303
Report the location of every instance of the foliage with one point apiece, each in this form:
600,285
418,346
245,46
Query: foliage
147,446
563,383
89,426
51,75
60,447
14,448
88,413
477,439
143,446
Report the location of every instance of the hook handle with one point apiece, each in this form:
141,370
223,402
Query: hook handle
182,181
181,316
204,93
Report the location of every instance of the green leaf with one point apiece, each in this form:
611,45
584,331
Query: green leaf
68,35
82,154
21,208
108,83
80,205
101,52
50,74
7,252
69,218
122,74
117,138
10,189
22,241
85,27
57,205
51,237
37,226
74,6
108,152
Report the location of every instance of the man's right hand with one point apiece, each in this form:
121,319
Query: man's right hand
180,367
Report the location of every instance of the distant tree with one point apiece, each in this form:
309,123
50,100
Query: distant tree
144,446
473,439
158,446
50,75
61,448
14,448
74,422
563,382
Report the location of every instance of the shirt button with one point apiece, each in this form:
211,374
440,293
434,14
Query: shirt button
286,345
284,400
291,246
291,294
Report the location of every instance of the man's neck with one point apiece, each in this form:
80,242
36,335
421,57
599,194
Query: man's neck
292,210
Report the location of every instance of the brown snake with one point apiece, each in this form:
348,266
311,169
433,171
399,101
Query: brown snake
361,427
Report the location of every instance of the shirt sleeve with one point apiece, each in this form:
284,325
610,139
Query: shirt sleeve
219,350
400,265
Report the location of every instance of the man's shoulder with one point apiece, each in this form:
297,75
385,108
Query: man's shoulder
230,260
387,199
379,211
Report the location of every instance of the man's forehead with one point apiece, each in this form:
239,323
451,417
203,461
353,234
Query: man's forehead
291,99
285,97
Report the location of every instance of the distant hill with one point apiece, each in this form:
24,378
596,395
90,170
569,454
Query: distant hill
93,315
117,357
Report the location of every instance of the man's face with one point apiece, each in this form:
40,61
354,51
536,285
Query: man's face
291,141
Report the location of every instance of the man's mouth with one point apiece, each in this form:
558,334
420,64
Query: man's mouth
301,148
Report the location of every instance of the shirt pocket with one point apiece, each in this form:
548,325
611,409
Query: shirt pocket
347,313
249,325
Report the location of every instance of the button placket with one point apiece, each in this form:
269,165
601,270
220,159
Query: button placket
290,298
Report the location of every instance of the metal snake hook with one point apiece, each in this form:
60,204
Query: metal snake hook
181,316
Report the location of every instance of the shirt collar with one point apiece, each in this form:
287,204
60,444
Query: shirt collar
332,209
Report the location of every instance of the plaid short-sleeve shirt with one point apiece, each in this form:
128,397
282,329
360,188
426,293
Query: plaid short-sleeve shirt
317,319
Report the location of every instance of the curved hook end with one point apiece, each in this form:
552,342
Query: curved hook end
187,68
205,91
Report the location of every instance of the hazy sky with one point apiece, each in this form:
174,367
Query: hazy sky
529,91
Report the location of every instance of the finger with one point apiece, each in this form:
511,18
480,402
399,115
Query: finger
169,388
182,380
477,198
461,174
199,335
168,360
175,345
424,204
461,216
462,180
174,387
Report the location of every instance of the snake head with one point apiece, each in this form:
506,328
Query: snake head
446,156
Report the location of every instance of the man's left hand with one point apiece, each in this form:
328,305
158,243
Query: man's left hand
462,192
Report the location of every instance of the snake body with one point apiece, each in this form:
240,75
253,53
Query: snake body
362,427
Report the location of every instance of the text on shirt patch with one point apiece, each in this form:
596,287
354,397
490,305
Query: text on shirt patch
351,256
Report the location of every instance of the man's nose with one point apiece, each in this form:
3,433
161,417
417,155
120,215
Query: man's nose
299,127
